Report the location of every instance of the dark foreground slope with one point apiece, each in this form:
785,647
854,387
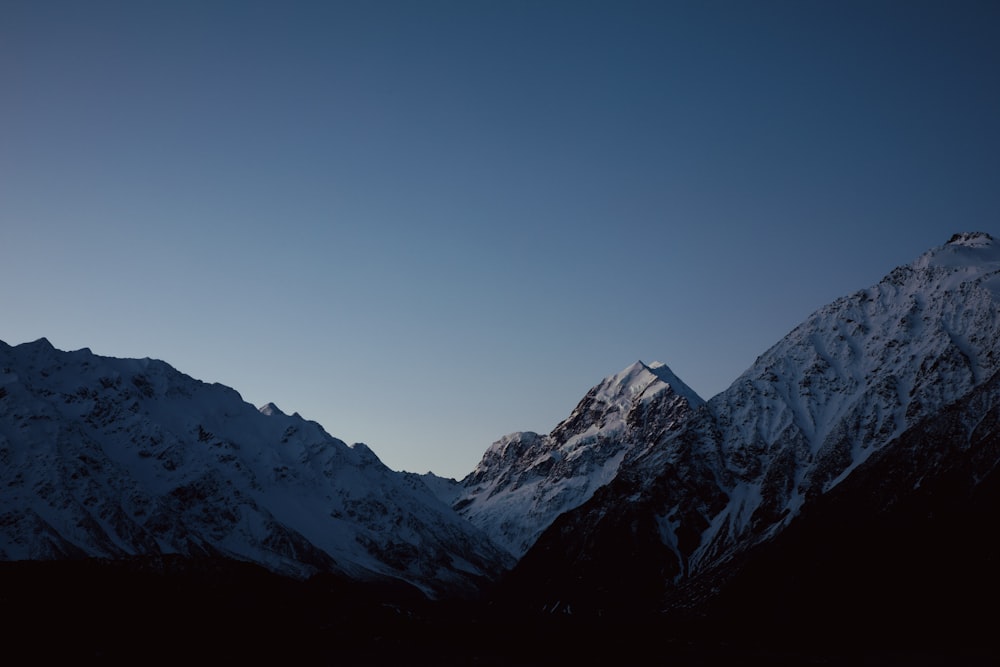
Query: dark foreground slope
176,610
196,612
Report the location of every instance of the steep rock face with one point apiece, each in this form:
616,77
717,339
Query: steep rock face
525,480
837,389
114,457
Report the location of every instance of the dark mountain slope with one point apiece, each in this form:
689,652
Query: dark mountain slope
903,553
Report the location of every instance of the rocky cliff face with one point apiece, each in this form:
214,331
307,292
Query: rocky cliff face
115,457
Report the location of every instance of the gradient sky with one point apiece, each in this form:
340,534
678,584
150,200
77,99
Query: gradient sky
427,224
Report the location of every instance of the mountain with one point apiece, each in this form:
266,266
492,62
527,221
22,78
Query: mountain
112,458
525,480
906,536
834,505
843,386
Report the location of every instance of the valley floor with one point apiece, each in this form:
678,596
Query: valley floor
220,612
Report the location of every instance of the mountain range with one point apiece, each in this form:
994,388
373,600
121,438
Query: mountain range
845,384
852,466
111,458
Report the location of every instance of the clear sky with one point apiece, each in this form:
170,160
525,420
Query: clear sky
426,224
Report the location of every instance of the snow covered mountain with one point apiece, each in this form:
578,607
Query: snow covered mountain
525,480
114,457
907,536
838,389
643,491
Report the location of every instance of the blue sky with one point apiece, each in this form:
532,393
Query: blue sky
427,224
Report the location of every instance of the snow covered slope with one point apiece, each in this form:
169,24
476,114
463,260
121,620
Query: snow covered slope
838,388
525,480
909,536
112,457
854,375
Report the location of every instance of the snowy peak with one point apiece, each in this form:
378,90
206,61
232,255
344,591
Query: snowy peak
271,410
667,377
975,252
641,381
622,401
971,239
525,480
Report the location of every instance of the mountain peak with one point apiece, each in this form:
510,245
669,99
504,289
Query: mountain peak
977,252
271,410
643,377
526,480
42,344
971,239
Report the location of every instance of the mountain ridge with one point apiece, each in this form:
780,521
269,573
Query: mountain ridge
638,496
112,457
855,375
